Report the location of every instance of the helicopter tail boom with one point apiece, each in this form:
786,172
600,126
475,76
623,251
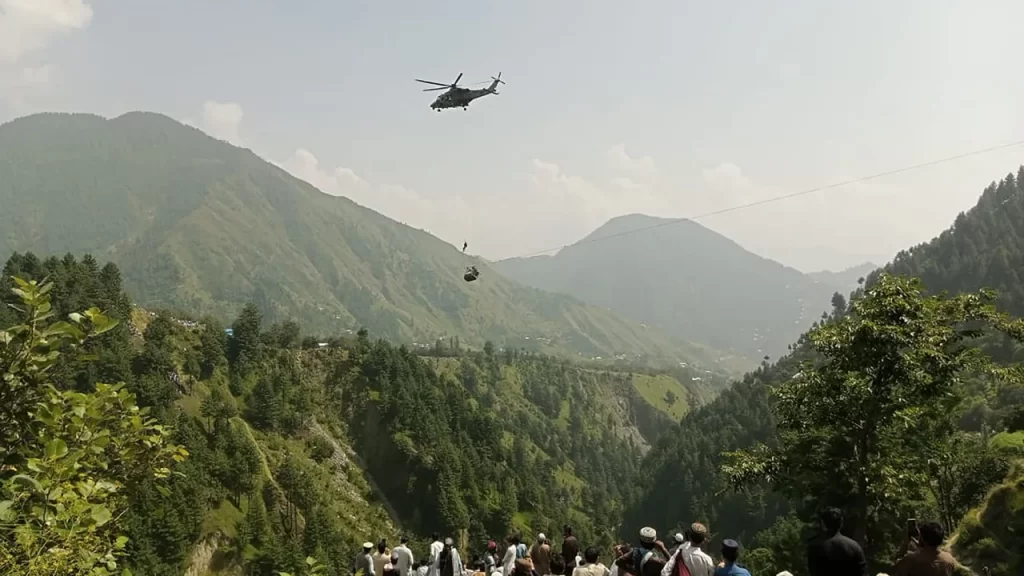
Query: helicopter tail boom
494,84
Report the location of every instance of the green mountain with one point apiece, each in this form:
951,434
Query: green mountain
298,449
199,225
845,280
984,248
684,279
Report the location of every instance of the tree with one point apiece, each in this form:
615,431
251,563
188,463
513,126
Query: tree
838,304
856,429
244,349
212,345
71,458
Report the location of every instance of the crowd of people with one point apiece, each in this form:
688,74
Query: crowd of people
833,554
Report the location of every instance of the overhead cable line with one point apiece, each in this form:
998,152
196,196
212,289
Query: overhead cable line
778,198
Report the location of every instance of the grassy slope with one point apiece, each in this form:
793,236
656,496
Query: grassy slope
993,534
200,225
366,513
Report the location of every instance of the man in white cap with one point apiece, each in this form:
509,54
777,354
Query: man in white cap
540,553
636,560
697,562
364,561
678,539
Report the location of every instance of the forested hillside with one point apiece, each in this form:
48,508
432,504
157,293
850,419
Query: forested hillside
298,449
696,284
197,224
982,249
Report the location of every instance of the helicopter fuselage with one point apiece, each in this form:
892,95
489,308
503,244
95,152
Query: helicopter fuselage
459,98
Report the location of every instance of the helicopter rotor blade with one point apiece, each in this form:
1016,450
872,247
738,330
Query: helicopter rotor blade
457,79
434,83
434,89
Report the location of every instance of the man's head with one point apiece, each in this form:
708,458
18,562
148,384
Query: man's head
698,533
831,520
591,555
541,538
730,550
492,546
435,537
382,545
405,539
513,538
648,535
394,557
567,530
932,534
367,546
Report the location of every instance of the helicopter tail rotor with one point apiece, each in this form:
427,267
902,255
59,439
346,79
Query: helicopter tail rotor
494,84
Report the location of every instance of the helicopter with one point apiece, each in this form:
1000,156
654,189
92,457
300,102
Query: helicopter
458,96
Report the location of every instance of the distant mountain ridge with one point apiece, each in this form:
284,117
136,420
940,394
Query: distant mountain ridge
684,279
845,279
200,225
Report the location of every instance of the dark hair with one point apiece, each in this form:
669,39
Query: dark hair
435,537
513,538
695,538
416,565
932,534
567,530
405,539
591,555
557,564
730,554
382,545
832,518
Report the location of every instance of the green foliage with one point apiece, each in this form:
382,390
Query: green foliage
483,444
213,347
68,458
866,428
982,249
991,536
245,349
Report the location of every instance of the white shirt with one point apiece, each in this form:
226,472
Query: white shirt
508,563
457,568
696,560
435,549
591,570
405,559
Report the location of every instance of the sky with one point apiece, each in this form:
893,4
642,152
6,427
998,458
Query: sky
671,108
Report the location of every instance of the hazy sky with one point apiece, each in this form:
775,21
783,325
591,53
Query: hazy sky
666,107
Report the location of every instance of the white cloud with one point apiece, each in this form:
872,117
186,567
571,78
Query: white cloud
223,120
445,218
30,25
640,169
27,28
827,229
